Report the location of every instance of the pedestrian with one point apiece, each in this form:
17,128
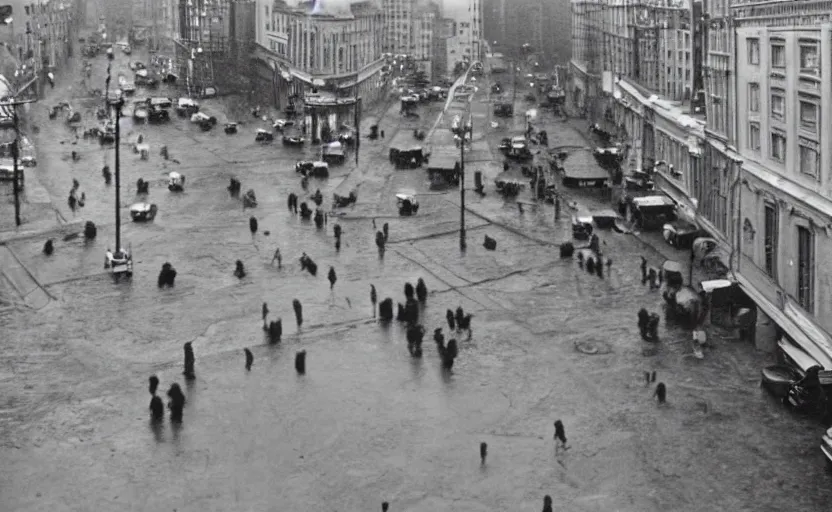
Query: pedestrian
265,314
449,316
298,312
547,503
176,402
483,452
278,258
154,384
332,278
249,358
386,230
157,408
385,506
252,224
189,361
374,224
373,298
300,362
643,270
661,393
560,436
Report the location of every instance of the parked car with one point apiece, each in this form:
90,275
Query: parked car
282,124
136,65
209,92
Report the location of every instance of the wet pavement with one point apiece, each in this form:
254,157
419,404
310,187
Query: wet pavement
367,423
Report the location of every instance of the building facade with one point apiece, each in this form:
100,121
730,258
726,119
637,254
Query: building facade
783,76
586,64
411,28
42,38
321,60
465,45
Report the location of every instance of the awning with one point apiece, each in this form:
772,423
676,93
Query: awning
792,330
675,192
803,360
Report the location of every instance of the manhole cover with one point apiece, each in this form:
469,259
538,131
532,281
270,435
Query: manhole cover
592,348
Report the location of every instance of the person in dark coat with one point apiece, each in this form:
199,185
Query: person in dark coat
176,402
408,291
373,298
449,316
189,361
298,311
483,452
560,436
547,503
332,277
459,317
265,315
157,408
661,393
421,290
249,358
154,384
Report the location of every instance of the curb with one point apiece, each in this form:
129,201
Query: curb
64,229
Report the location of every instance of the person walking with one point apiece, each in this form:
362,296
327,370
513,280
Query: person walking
560,436
278,258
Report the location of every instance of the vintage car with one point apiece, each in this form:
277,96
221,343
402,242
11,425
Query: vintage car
7,174
143,78
140,110
333,153
609,157
160,102
581,227
638,180
208,92
157,114
681,233
293,140
107,136
650,212
136,65
128,88
119,262
505,145
411,157
126,50
186,107
199,117
312,169
176,182
282,124
143,212
263,136
406,201
230,128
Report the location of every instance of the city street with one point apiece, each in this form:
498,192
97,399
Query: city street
367,423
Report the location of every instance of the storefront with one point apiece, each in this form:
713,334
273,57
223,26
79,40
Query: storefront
786,231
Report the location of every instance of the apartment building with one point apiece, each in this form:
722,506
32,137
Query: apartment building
784,97
465,46
324,58
411,28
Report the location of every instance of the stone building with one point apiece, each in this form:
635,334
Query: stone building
783,76
465,46
323,61
411,28
42,37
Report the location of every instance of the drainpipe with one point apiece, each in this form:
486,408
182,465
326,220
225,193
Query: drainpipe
736,198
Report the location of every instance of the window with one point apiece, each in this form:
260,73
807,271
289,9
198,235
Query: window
809,60
778,54
778,146
753,50
770,239
754,136
778,104
805,268
753,97
809,161
808,115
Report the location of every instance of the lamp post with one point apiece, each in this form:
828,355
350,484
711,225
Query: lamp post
462,241
16,156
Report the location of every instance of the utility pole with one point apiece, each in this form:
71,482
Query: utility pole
357,123
16,156
462,242
117,105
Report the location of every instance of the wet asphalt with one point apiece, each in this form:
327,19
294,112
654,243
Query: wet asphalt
366,423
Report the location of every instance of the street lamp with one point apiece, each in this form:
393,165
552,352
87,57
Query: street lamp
16,156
